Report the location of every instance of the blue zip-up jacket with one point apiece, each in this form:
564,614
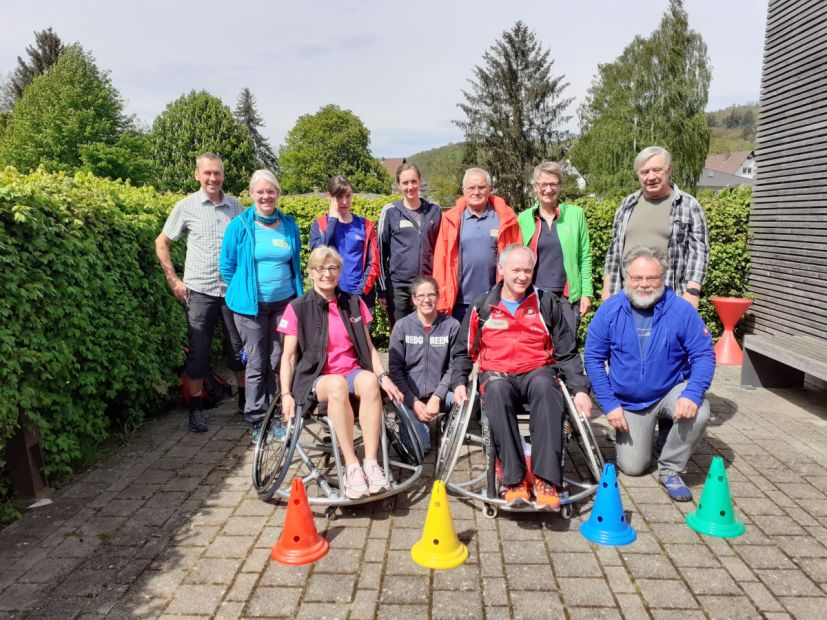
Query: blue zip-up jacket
406,250
237,260
680,349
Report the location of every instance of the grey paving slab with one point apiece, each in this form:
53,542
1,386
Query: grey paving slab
169,526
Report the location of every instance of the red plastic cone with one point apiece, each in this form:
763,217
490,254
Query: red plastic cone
300,543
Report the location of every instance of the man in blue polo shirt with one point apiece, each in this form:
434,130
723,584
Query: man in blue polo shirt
661,363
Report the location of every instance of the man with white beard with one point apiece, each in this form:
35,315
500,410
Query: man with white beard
661,363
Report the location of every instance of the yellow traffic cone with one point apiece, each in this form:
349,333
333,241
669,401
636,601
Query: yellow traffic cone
439,546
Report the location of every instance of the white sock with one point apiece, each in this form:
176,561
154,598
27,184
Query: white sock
370,462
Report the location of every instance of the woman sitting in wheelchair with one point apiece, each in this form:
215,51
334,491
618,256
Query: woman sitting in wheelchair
522,342
328,352
419,357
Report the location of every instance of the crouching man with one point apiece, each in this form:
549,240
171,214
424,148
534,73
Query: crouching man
660,365
522,343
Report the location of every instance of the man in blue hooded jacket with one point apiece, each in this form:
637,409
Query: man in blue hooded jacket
661,363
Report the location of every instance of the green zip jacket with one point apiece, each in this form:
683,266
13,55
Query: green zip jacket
574,239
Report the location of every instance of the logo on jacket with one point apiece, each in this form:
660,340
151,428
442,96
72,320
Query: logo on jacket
355,319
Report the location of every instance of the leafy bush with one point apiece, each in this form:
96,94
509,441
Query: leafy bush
88,330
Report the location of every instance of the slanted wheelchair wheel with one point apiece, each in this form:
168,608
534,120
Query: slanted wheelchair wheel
402,435
273,454
454,434
583,435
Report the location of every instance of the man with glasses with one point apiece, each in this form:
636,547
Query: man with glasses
660,215
471,236
661,363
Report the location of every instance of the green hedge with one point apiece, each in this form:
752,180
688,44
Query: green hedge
90,334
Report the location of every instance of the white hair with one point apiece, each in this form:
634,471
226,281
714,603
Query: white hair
474,171
264,175
648,153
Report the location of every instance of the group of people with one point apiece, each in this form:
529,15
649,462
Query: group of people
475,283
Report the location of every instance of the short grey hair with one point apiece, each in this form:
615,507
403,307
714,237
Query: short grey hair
264,175
548,167
642,251
209,156
472,172
648,153
320,256
515,247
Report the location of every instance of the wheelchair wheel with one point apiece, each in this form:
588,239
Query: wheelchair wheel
274,453
402,435
454,434
583,435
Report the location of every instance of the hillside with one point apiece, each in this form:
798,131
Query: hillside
442,170
733,128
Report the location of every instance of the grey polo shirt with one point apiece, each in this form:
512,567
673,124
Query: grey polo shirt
478,253
204,223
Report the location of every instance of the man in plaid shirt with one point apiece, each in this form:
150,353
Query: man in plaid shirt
660,215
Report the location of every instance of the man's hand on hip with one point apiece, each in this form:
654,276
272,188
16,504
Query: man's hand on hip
618,420
685,409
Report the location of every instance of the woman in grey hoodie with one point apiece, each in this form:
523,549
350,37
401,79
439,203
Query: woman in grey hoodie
419,356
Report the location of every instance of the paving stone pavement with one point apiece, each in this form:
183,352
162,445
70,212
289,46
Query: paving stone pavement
170,527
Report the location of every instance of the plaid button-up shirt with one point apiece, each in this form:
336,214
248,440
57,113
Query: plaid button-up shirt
687,250
205,223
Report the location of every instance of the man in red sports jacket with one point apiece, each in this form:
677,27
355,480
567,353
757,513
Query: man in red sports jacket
522,344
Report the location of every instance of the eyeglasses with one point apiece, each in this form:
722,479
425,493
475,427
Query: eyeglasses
476,188
424,296
646,279
321,270
545,186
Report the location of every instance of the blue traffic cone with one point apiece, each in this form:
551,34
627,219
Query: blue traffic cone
607,524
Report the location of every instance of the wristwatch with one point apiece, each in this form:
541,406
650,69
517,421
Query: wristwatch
693,291
381,376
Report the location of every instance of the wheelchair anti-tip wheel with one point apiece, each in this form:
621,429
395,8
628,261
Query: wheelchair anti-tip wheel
276,443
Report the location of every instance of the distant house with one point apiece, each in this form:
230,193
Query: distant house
728,170
740,163
391,164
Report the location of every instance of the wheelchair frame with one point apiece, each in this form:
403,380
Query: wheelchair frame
314,454
484,487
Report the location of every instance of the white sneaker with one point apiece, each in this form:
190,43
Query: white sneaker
355,484
377,481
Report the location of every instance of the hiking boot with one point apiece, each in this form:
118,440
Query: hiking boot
517,492
375,476
275,433
198,422
355,484
546,493
675,486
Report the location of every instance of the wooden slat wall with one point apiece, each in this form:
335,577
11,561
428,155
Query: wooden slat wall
788,219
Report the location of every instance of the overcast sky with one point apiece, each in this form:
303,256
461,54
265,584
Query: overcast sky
399,66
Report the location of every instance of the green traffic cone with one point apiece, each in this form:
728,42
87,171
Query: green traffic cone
715,515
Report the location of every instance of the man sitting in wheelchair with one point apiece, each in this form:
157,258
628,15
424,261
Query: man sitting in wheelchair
328,351
521,343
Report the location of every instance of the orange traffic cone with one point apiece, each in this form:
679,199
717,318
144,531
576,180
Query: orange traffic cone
300,543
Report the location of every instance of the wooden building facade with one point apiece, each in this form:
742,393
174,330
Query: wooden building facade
787,327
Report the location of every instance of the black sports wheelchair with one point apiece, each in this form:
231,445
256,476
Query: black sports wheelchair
477,478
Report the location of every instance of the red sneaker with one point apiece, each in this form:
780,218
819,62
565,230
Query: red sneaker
546,493
517,492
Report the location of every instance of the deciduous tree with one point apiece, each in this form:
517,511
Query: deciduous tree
72,105
653,94
190,125
514,112
332,141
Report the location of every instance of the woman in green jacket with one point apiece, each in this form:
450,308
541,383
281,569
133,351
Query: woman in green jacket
559,236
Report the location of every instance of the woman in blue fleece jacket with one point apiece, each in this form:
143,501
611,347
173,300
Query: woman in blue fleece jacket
259,261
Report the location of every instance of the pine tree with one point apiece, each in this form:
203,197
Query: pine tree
247,115
41,56
653,94
514,112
